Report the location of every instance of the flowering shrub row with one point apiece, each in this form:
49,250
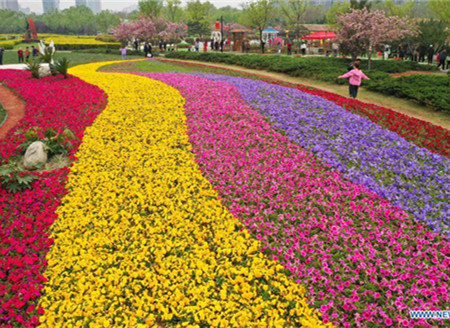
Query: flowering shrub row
421,133
409,176
25,217
364,261
142,238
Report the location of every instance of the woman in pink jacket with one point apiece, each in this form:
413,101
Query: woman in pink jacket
355,75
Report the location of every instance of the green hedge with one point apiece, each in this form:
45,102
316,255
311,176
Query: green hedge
429,90
9,44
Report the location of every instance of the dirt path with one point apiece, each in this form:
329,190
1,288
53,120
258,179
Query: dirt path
15,108
404,106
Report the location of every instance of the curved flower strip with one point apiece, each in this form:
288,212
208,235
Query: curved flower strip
142,238
364,261
423,134
410,177
26,216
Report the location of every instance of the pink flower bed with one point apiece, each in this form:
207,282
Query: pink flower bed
363,261
26,216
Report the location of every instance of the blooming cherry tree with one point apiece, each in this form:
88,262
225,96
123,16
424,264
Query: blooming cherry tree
148,28
362,31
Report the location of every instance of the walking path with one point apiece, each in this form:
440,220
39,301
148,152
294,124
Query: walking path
404,106
15,108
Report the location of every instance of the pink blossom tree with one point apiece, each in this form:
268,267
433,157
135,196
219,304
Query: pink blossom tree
361,31
148,28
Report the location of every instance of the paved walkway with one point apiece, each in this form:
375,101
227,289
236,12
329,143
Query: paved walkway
17,66
15,108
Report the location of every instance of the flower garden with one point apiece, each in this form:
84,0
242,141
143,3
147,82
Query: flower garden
200,199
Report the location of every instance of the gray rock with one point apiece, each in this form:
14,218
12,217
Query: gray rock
44,70
35,155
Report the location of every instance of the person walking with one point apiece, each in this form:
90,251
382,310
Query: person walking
34,51
422,51
145,49
352,64
289,48
197,45
205,46
20,55
303,47
279,47
1,55
123,52
442,59
355,76
27,53
430,54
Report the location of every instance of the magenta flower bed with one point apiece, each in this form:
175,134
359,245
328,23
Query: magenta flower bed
364,261
26,216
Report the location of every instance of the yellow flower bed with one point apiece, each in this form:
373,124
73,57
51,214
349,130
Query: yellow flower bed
142,239
67,39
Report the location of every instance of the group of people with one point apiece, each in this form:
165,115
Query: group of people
418,54
27,53
214,44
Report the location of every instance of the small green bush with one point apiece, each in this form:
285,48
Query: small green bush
62,66
33,67
426,89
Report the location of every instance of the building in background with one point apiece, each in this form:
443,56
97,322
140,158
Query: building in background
80,3
50,5
94,5
9,4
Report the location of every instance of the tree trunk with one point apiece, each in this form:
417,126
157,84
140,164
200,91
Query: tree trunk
261,40
369,55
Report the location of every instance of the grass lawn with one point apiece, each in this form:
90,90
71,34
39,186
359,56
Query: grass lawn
76,58
2,114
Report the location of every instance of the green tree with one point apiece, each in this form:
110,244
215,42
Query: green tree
198,17
360,4
294,13
401,10
431,32
335,9
442,9
150,8
106,19
173,11
259,13
12,21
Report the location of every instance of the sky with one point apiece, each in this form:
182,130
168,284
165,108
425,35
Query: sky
115,5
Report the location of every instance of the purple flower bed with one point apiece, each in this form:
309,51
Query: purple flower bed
410,177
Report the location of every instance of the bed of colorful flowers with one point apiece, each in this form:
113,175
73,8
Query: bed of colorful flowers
25,217
175,193
364,261
421,133
142,238
409,176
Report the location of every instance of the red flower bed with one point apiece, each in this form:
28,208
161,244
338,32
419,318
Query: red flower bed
421,133
26,216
